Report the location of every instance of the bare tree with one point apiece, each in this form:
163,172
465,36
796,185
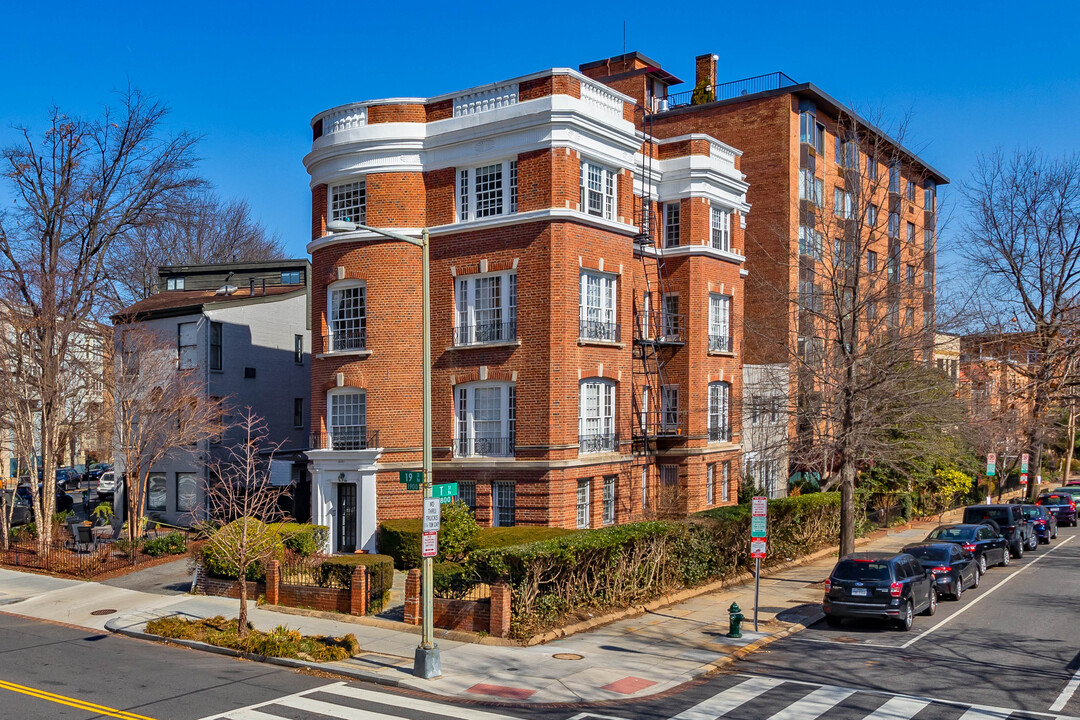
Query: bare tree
861,326
1023,239
158,411
200,228
86,183
242,501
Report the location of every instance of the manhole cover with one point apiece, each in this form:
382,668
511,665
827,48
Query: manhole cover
106,611
568,656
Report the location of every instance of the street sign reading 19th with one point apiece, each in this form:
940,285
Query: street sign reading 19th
410,476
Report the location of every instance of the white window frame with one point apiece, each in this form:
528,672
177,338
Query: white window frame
719,418
811,187
479,437
598,306
811,242
351,206
350,436
710,483
911,233
501,492
644,486
174,283
720,323
843,204
871,216
608,499
669,407
600,201
584,511
725,481
672,224
596,416
719,228
500,201
187,349
490,322
350,339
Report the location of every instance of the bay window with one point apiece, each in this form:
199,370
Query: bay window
347,317
597,190
596,417
485,419
486,309
487,191
597,308
719,412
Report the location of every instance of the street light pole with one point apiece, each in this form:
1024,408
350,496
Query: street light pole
426,661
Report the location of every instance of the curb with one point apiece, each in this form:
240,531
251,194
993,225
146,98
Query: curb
114,627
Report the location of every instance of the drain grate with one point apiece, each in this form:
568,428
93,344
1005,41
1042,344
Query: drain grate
568,656
106,611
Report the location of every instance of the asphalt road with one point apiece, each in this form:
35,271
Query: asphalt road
1006,650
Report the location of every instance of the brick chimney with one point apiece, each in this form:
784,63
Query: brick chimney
705,68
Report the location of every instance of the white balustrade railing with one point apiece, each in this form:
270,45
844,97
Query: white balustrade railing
601,98
477,102
344,119
717,150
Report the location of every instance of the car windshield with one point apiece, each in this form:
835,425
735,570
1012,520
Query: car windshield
862,570
1033,511
1055,499
952,533
928,552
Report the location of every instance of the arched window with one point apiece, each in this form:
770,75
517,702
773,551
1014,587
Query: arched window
346,419
485,419
719,412
346,316
596,416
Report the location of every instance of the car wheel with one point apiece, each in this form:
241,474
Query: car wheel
1006,557
959,588
833,621
932,607
1033,542
906,620
977,580
982,564
1018,550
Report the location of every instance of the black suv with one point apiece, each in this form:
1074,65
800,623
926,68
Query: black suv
1008,520
889,586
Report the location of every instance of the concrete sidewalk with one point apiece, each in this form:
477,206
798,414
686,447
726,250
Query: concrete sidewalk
632,657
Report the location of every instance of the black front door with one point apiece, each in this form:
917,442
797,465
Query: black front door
346,517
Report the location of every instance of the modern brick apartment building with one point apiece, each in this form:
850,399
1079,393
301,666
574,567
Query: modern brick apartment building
587,297
812,165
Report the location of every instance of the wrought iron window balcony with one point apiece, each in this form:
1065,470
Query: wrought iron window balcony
721,343
666,423
484,447
599,331
485,333
346,340
598,443
355,437
720,434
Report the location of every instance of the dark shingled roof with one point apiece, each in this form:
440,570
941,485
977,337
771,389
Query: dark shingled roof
172,302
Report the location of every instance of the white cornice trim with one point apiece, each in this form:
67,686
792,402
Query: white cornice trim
691,250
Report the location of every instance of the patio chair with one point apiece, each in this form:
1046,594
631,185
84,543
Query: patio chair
84,537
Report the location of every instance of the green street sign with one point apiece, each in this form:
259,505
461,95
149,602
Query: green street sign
412,486
444,490
445,500
757,527
410,476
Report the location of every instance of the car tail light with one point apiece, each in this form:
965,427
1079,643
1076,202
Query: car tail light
1010,528
828,584
895,589
942,569
1072,504
970,547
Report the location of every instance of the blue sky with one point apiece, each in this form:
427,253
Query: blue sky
248,77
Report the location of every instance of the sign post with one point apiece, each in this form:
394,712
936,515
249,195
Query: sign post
759,518
1024,469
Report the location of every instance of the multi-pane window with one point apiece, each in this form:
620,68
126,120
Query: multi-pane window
811,188
215,346
719,411
871,261
671,320
485,419
467,493
298,349
597,190
843,204
487,191
811,242
669,408
871,168
583,509
348,420
174,283
187,345
720,323
596,417
928,280
186,491
910,276
720,228
348,318
609,500
156,492
894,225
725,481
710,483
597,308
290,277
911,233
811,350
893,318
811,132
486,309
298,412
844,254
871,216
504,504
911,190
928,240
348,202
672,220
929,190
894,178
644,486
894,268
847,154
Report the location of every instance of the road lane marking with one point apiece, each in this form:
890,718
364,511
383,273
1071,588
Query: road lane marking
1067,693
465,713
728,700
981,712
239,712
70,701
898,708
982,596
815,704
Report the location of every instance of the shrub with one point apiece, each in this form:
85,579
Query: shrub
400,539
172,544
519,535
279,642
457,531
450,579
302,538
339,569
218,564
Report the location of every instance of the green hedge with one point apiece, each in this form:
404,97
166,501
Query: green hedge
400,539
300,538
340,568
304,539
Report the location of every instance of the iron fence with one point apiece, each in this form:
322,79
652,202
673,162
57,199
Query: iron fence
597,443
484,447
729,90
64,557
346,438
485,333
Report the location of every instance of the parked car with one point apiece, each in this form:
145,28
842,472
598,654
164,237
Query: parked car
955,569
68,477
1062,505
1073,483
888,586
1046,525
1009,520
982,541
96,469
106,486
63,500
20,513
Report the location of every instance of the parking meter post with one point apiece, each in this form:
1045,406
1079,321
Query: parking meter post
757,587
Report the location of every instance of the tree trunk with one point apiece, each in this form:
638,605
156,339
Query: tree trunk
847,506
241,620
1072,445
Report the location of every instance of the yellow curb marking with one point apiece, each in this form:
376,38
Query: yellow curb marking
71,702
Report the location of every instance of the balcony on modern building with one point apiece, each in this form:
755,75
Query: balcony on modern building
484,447
485,333
592,443
351,437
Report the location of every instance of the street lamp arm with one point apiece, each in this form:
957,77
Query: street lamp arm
391,234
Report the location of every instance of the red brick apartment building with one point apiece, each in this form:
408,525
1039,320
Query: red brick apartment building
587,302
811,164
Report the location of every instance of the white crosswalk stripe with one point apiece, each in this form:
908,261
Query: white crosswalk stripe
814,705
729,699
898,708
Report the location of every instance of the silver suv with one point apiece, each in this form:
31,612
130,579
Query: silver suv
106,486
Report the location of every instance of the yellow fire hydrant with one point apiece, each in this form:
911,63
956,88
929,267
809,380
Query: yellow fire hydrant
735,618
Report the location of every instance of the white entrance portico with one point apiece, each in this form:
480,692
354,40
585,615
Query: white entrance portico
343,497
